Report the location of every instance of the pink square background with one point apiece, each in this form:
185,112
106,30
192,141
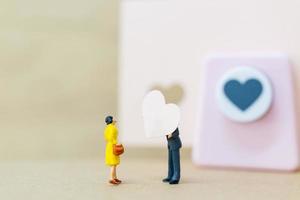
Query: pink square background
269,143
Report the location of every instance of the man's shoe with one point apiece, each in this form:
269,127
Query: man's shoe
172,182
166,180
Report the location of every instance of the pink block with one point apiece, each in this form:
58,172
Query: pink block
271,143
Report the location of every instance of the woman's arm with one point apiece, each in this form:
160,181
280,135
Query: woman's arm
114,136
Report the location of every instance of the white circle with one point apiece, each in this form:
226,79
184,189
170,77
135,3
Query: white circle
231,108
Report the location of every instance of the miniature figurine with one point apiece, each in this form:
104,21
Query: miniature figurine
111,159
161,119
174,145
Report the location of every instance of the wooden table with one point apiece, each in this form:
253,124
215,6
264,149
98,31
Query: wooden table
141,172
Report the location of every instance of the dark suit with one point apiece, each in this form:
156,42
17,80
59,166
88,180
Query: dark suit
174,144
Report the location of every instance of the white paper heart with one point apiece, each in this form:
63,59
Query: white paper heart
160,119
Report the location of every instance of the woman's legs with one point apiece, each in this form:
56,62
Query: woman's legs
113,175
113,172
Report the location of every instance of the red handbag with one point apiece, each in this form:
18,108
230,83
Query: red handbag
118,149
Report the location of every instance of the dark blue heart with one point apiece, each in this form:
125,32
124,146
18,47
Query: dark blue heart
243,95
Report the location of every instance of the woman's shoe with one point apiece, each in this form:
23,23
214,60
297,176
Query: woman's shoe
117,180
114,182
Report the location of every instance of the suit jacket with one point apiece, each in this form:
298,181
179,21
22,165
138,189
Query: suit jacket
174,142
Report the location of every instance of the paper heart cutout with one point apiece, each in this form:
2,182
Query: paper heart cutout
160,119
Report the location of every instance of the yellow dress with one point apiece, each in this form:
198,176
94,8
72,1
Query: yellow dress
111,135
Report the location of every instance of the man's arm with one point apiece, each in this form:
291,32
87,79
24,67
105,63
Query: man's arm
174,134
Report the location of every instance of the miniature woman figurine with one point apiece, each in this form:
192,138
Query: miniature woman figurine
111,137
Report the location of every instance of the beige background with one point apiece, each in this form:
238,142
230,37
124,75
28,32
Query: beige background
58,76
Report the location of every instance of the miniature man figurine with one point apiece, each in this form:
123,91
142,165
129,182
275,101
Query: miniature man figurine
174,145
111,137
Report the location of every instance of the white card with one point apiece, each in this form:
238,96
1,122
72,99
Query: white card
160,119
163,42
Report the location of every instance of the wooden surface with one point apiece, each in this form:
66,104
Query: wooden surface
87,179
